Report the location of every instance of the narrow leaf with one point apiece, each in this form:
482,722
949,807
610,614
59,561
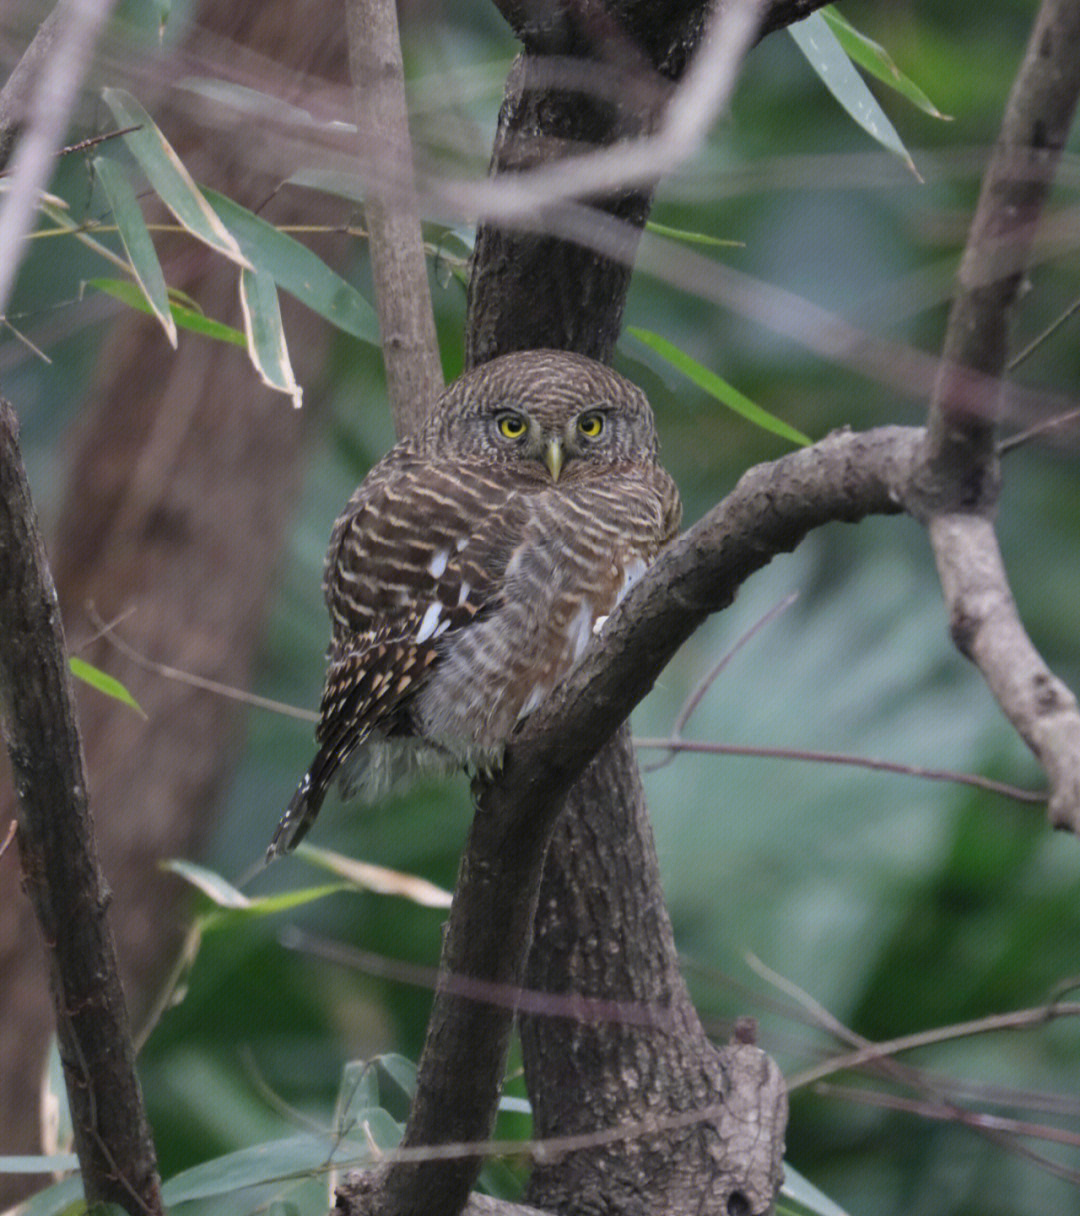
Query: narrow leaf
827,57
370,877
103,682
136,241
166,173
212,885
265,335
294,267
185,318
62,1199
799,1197
692,238
719,388
873,58
232,900
295,1156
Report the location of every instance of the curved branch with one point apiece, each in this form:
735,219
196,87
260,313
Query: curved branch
959,481
844,477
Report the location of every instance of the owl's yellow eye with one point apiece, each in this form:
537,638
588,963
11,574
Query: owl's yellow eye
511,426
591,425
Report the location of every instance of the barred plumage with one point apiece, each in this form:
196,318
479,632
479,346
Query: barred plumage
473,565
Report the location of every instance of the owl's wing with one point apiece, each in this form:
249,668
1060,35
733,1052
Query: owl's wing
418,553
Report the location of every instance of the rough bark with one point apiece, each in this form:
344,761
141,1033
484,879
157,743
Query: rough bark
531,290
61,874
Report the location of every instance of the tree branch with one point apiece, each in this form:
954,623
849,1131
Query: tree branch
845,477
61,873
959,481
402,295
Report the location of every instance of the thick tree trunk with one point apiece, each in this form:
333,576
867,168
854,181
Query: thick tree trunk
602,928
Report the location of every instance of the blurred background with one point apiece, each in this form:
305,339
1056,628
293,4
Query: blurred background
190,507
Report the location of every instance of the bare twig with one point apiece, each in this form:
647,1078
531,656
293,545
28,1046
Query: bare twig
402,296
678,744
706,682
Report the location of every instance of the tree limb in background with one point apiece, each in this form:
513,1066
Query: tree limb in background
960,481
399,268
61,872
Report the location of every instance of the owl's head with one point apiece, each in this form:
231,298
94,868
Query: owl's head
561,415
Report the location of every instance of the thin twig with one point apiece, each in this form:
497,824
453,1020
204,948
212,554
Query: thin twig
708,679
108,631
818,757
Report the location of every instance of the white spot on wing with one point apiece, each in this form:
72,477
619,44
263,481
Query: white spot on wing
462,541
598,624
438,563
463,595
580,629
427,625
443,627
632,572
533,701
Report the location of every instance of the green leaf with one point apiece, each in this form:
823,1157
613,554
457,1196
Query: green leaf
873,58
166,173
718,388
136,241
185,317
798,1197
212,885
368,877
692,238
295,268
104,683
265,334
61,1199
231,899
828,58
292,1157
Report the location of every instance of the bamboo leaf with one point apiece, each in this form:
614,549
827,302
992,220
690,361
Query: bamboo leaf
692,238
827,57
103,682
265,334
166,173
294,267
874,59
185,317
136,241
719,388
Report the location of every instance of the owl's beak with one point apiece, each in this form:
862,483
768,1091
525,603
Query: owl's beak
553,458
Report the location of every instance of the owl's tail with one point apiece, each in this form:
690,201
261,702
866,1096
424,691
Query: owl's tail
304,805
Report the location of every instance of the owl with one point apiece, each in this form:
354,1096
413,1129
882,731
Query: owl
471,569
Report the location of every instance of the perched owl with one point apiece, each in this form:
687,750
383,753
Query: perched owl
472,567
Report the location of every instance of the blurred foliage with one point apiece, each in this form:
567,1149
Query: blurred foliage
898,904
